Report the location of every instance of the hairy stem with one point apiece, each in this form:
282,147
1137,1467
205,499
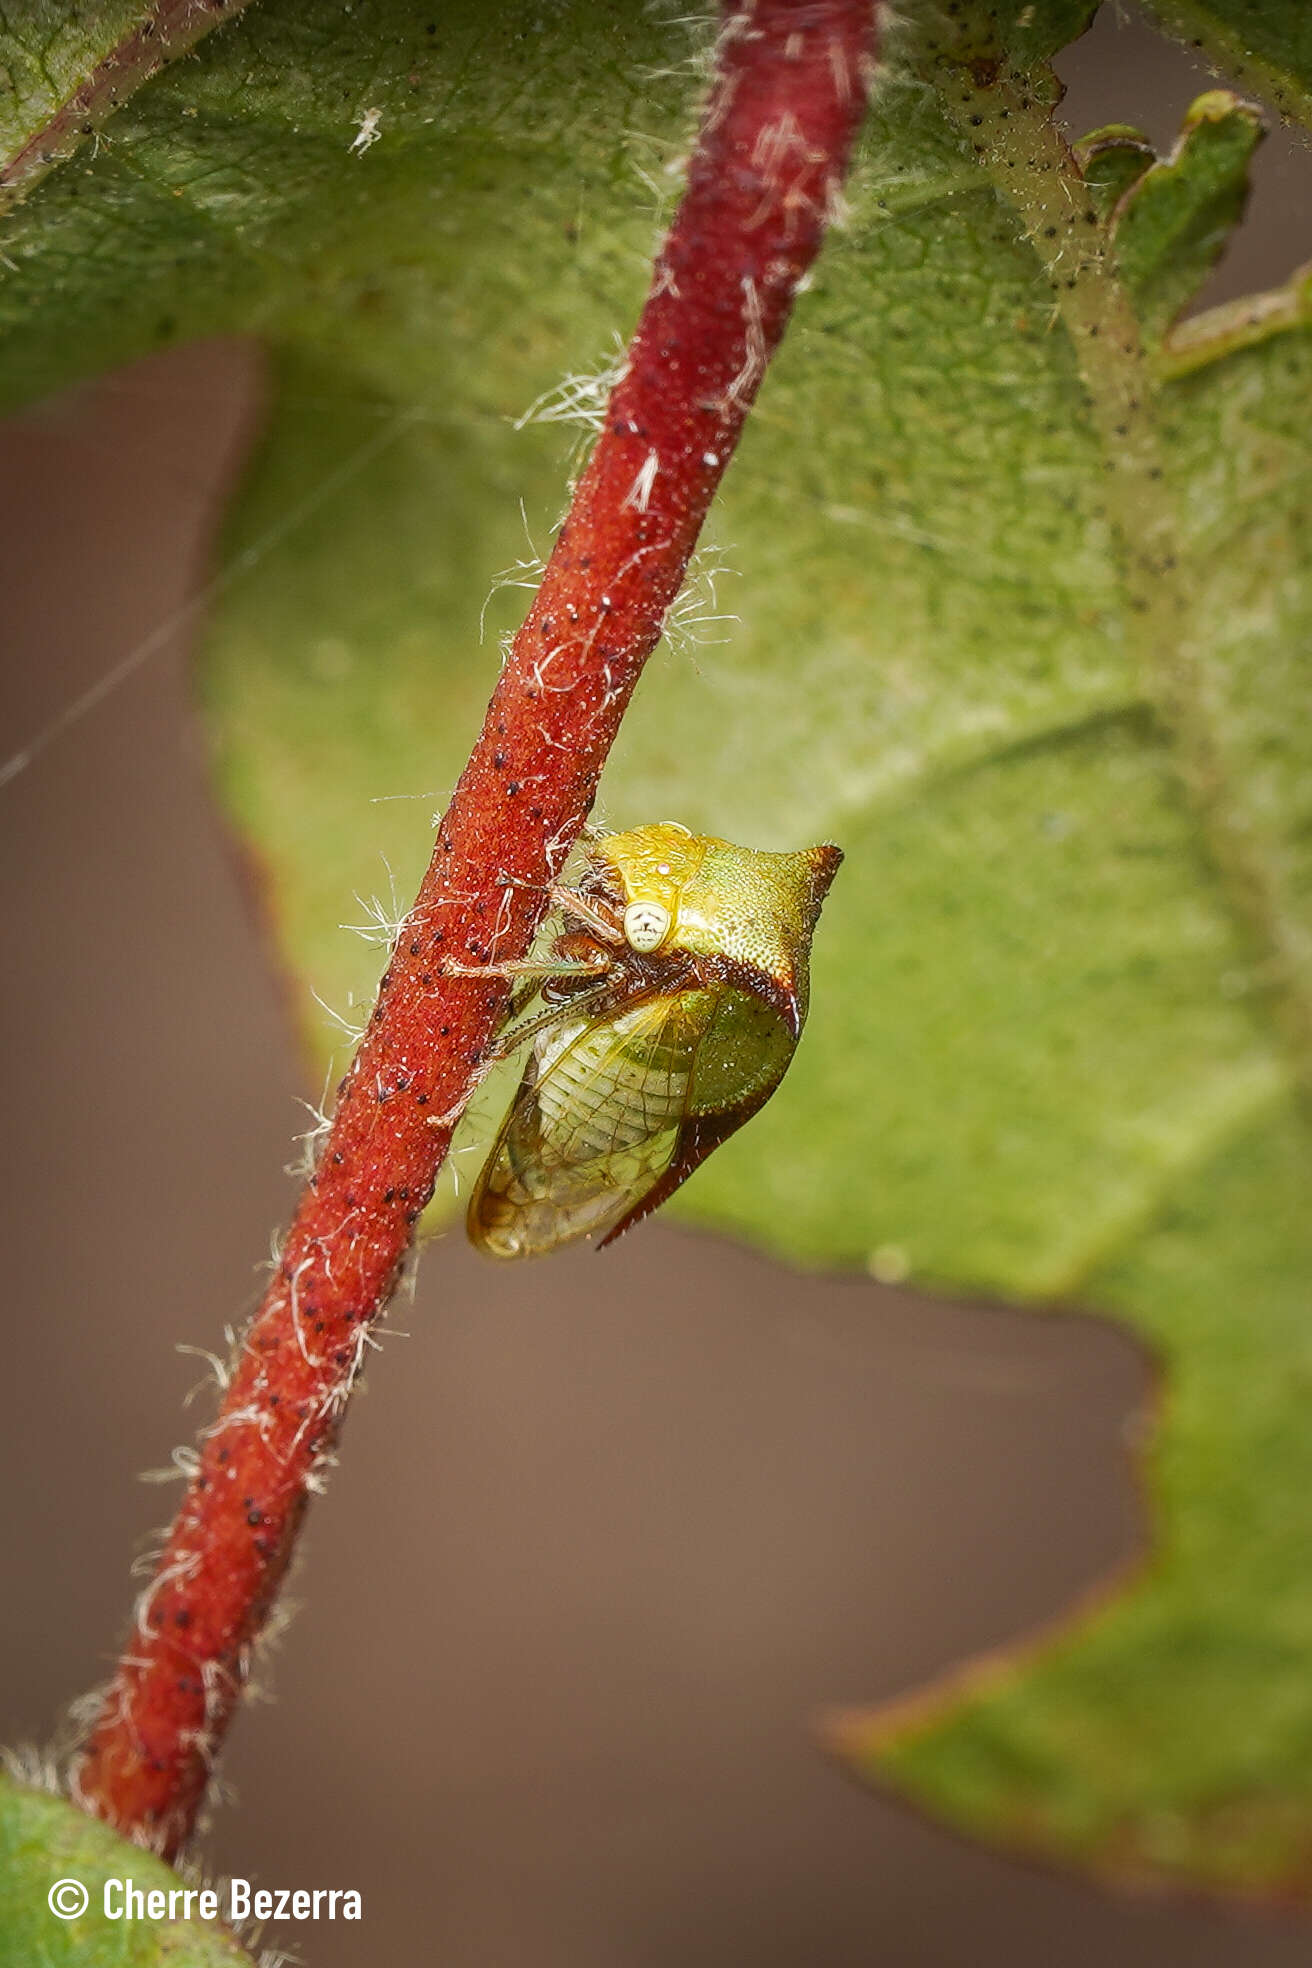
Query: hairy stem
788,94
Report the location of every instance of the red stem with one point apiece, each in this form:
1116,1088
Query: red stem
789,92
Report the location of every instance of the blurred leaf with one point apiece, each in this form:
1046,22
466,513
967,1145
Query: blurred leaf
1019,626
45,1842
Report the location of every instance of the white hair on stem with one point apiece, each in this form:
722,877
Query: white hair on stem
695,612
219,1374
344,1025
184,1466
384,921
526,573
313,1137
579,399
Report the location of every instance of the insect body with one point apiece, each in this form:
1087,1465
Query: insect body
670,1016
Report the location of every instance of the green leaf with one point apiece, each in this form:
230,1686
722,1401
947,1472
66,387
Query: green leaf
1129,1743
45,1842
1239,324
47,53
1172,222
1029,34
1111,160
1017,622
1264,46
64,69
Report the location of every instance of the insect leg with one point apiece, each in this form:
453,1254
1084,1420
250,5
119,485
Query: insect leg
536,967
526,990
575,904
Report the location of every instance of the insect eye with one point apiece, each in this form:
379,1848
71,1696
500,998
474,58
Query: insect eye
646,925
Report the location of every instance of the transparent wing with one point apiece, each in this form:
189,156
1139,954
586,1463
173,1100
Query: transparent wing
595,1125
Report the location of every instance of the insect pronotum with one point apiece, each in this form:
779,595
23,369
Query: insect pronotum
671,1008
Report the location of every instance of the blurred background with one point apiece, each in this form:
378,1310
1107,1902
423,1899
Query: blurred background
609,1534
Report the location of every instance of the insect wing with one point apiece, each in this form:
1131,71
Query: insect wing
595,1125
741,1055
615,1112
